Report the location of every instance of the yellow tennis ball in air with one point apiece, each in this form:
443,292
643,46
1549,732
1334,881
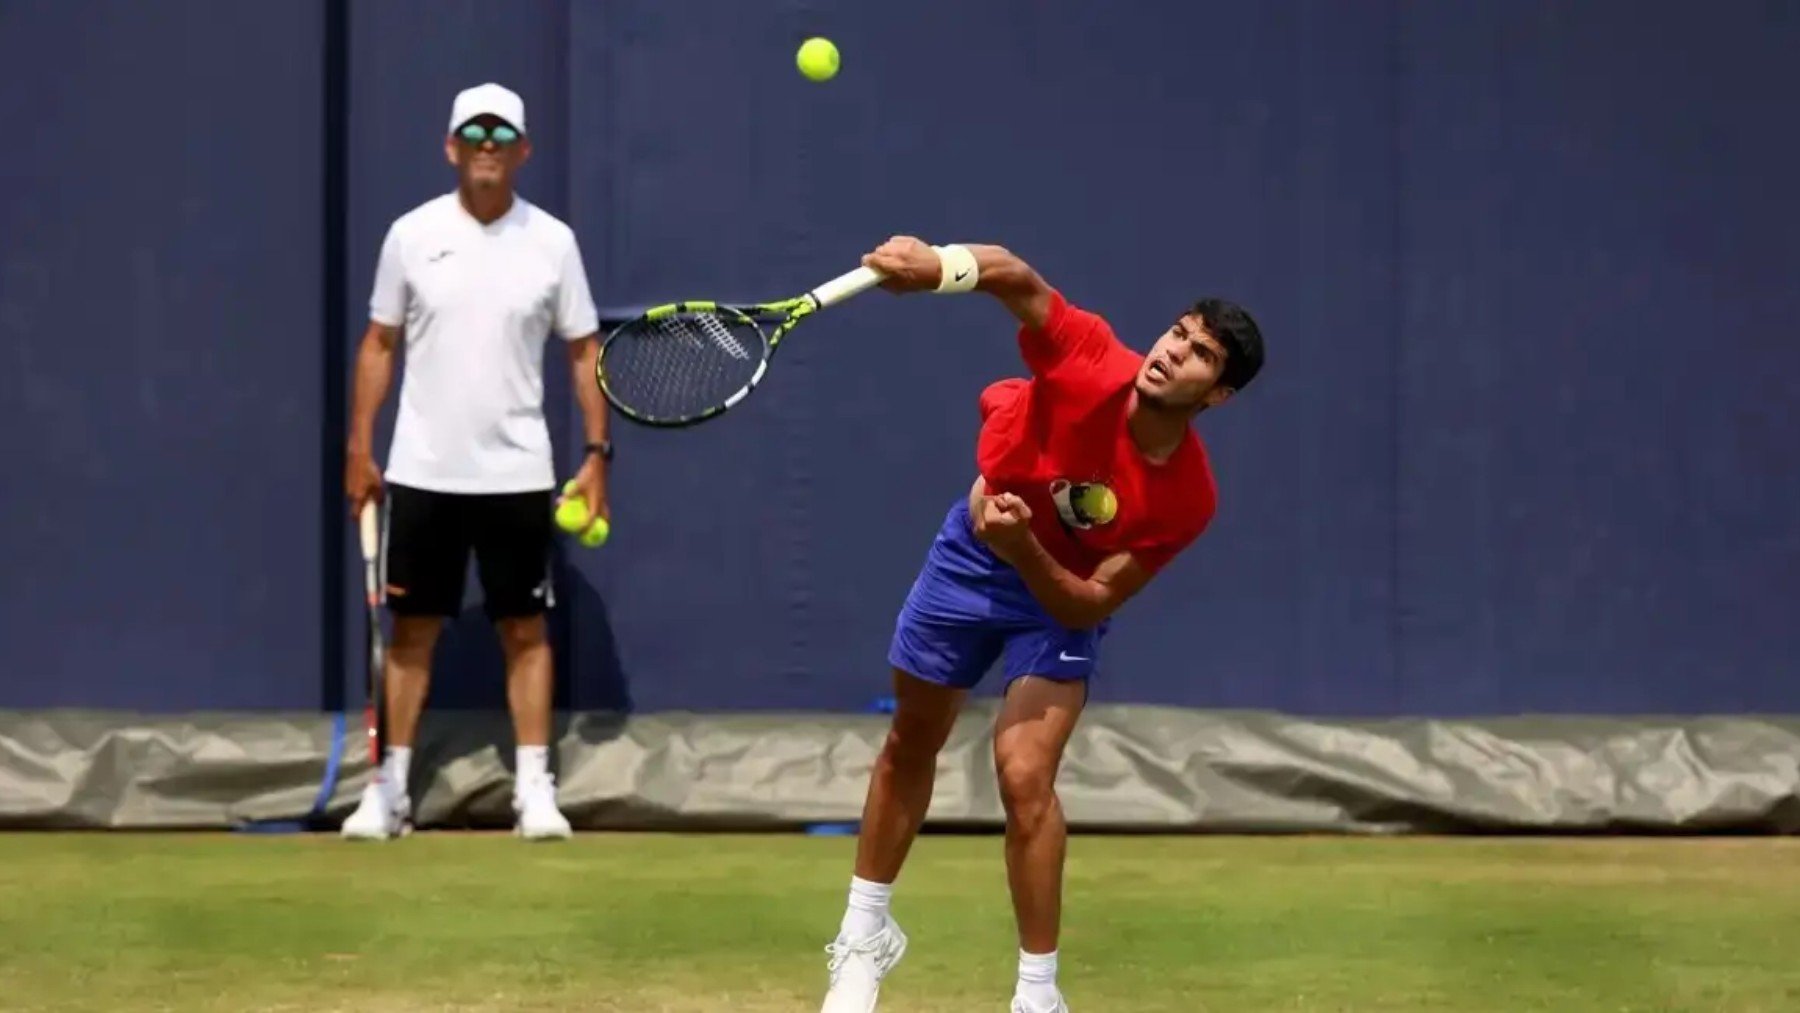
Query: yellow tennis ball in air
596,536
818,59
1099,503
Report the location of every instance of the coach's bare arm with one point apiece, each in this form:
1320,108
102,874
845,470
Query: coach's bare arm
911,265
374,375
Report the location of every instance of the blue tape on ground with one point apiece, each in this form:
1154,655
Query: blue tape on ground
831,829
328,785
327,788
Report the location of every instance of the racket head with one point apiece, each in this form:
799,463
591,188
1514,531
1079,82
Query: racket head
683,363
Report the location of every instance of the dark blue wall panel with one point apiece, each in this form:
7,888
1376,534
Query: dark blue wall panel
1600,487
160,325
1527,439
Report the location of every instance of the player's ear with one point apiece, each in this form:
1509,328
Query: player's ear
450,150
524,150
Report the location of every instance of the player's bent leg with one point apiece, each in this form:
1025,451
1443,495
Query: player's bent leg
944,641
1035,723
905,773
869,941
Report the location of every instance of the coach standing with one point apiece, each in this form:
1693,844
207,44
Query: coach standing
475,281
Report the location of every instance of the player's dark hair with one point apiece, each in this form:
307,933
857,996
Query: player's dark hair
1232,326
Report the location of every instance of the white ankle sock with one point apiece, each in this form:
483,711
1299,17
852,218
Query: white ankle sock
1037,979
868,908
399,767
534,763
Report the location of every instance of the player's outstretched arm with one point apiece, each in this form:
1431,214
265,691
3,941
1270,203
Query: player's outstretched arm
911,265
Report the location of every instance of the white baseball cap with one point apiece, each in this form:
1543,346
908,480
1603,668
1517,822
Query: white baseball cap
488,100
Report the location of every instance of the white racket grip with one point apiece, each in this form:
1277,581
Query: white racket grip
370,531
846,285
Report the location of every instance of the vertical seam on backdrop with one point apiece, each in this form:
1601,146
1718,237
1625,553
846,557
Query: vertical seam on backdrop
797,445
334,360
1397,76
562,634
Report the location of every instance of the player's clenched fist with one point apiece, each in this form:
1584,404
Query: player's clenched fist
909,265
1004,524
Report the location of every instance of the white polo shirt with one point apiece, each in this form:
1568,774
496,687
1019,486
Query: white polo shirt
477,303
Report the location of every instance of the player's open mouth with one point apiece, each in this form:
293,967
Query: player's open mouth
1157,370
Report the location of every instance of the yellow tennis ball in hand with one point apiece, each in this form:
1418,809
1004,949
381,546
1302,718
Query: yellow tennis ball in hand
572,512
818,59
596,536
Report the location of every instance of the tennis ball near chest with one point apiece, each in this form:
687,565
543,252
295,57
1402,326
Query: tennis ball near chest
1097,503
817,59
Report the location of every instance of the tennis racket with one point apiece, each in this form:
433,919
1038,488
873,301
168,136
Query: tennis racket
683,363
374,681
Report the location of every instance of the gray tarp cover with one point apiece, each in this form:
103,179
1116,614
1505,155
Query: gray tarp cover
1128,767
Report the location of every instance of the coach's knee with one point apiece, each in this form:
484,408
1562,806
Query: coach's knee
1027,787
522,633
413,639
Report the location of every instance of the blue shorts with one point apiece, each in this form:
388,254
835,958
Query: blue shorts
968,609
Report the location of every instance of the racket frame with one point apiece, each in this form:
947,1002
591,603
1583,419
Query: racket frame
788,311
375,642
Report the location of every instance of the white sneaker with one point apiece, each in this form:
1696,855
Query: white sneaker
1019,1005
534,801
858,967
380,815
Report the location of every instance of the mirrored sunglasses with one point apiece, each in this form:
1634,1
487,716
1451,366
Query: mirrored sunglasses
475,133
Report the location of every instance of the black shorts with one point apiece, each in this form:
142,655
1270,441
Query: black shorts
430,536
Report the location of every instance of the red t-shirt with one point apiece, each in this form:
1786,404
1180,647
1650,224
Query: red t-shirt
1067,425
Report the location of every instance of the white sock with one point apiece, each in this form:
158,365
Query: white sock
399,766
868,908
534,763
1037,979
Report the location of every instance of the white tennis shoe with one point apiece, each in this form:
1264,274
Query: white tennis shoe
857,967
381,814
534,803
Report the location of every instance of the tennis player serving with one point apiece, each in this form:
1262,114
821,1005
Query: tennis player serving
1091,480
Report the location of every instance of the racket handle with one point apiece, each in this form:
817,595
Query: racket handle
846,285
369,531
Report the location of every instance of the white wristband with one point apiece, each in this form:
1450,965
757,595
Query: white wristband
958,272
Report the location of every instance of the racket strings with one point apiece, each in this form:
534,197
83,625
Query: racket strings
681,365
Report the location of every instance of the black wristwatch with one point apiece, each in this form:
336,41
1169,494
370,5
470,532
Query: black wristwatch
603,448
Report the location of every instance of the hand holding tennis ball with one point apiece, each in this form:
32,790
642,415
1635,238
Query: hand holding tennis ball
817,59
573,516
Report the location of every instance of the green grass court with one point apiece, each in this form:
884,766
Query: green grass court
651,922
